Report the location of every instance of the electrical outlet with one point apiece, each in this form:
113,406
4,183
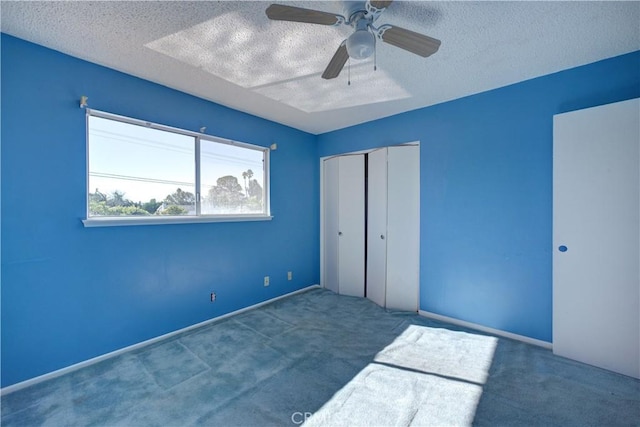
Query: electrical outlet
266,280
289,275
213,296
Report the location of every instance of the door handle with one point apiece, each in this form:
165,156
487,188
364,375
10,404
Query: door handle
562,248
382,236
339,233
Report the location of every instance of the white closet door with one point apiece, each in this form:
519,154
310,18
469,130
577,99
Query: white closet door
351,226
330,231
596,216
343,188
377,226
403,227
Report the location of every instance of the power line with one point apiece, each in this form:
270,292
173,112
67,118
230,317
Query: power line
135,140
138,178
150,180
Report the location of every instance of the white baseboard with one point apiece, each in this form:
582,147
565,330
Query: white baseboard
492,331
80,365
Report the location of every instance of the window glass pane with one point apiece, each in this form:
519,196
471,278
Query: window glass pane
135,170
232,179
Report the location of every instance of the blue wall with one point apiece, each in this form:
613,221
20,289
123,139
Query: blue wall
71,293
486,190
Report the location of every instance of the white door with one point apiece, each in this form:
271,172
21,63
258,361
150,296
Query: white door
330,230
377,226
403,227
351,226
343,188
596,236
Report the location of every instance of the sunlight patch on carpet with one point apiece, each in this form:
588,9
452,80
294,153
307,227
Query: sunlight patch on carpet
426,376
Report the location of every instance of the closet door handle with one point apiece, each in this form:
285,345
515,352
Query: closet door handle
382,236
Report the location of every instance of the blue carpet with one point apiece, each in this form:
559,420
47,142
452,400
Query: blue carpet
330,360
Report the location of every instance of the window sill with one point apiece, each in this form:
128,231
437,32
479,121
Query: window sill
119,221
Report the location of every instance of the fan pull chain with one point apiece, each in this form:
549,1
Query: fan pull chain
349,71
375,56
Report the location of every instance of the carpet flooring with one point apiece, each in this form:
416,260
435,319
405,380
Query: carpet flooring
326,359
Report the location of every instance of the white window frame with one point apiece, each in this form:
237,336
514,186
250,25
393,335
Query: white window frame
110,221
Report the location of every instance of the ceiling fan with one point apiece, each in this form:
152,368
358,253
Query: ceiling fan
360,44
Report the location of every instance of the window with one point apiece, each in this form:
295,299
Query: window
143,173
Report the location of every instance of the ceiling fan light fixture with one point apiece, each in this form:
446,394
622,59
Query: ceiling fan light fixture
361,44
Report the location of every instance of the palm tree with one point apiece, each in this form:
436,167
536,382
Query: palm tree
247,176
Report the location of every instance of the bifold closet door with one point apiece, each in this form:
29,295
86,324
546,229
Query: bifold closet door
393,227
377,226
596,236
331,175
344,229
403,227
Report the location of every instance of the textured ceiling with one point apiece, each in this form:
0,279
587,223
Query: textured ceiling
230,53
